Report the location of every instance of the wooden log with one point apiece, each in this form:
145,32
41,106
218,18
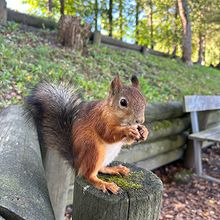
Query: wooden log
140,199
97,38
59,177
160,129
146,150
23,187
3,12
162,111
158,53
208,119
114,42
30,20
161,159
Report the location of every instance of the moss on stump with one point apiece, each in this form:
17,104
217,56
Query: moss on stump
140,198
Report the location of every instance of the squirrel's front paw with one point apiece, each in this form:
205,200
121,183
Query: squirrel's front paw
132,132
143,131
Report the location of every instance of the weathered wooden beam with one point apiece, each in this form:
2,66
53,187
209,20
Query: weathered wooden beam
201,103
158,53
144,151
59,177
141,199
208,119
161,111
114,42
161,129
30,20
161,159
23,187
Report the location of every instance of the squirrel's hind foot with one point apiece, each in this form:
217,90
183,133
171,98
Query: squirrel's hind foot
104,186
116,170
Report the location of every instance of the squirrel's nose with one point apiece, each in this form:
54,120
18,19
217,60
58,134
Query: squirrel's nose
140,121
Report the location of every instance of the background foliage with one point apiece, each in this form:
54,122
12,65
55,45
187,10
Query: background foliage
28,56
153,23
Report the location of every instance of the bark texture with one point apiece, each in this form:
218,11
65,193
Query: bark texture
187,33
72,33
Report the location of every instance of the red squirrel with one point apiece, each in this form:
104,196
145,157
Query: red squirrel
89,135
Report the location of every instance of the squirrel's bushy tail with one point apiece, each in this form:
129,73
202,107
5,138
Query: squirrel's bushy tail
54,108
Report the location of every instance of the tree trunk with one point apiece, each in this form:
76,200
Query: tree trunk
187,34
137,22
62,6
96,9
121,18
110,17
151,25
175,31
201,48
50,5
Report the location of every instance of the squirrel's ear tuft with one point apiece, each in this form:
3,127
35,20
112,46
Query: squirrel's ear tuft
115,85
135,82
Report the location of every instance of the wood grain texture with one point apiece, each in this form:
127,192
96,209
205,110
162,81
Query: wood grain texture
144,151
133,204
118,43
212,134
166,128
162,111
23,187
30,20
161,159
201,103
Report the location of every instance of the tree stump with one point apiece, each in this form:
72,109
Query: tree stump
23,187
72,33
3,12
140,199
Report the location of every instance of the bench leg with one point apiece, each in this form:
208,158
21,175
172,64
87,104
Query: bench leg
198,162
198,156
210,178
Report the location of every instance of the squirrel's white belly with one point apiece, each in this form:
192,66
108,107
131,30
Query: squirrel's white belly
112,150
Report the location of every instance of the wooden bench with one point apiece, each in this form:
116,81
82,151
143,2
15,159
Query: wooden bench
195,104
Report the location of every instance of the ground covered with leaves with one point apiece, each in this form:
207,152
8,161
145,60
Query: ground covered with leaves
28,55
188,197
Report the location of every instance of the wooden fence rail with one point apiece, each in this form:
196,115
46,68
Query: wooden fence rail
30,20
23,186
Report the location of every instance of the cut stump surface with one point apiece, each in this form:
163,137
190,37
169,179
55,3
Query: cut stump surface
140,198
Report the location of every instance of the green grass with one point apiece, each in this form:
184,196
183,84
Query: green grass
26,57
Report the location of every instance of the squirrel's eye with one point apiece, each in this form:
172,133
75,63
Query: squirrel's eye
123,102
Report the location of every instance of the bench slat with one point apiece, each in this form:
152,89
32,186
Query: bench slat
212,134
201,103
